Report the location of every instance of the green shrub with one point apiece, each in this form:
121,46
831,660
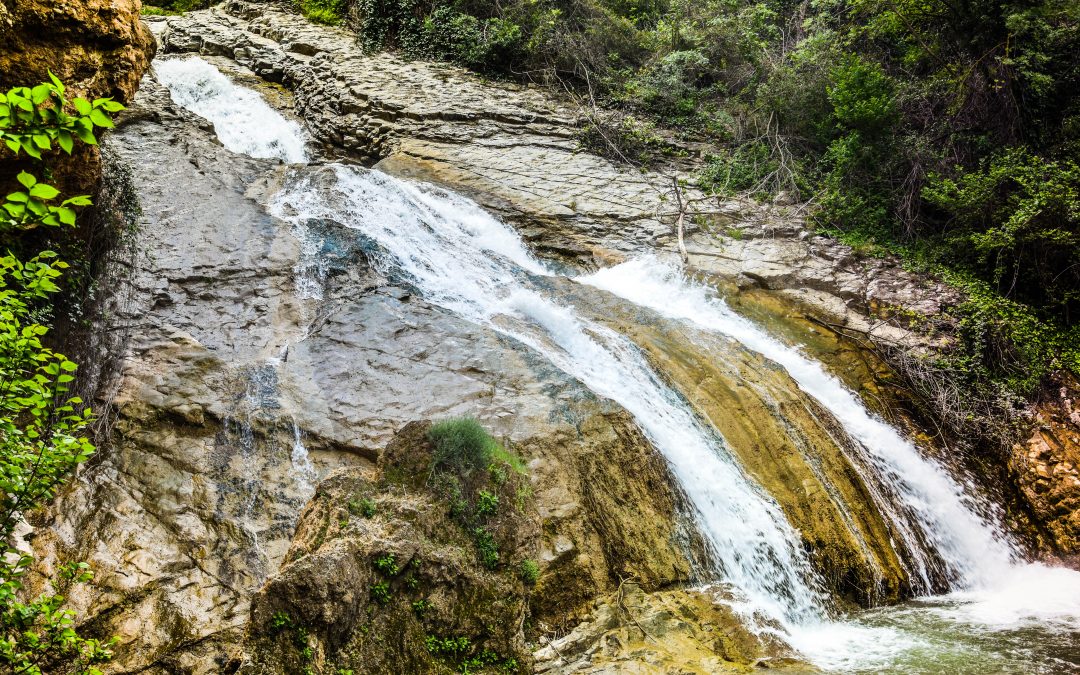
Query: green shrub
43,427
461,445
487,504
392,24
486,547
744,169
329,12
380,592
485,45
387,565
171,7
1016,223
529,572
364,506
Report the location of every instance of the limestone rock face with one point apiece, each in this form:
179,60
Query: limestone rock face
514,150
1047,465
98,48
384,560
235,394
691,631
511,147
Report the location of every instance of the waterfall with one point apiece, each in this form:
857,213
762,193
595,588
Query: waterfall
972,546
243,121
468,262
460,258
304,468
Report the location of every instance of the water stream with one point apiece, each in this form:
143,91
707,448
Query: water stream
1002,614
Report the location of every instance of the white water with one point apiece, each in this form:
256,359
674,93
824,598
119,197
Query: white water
244,122
971,546
993,586
470,263
303,467
462,259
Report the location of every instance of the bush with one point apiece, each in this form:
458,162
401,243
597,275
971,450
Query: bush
43,427
364,506
380,592
530,572
387,565
329,12
1016,222
461,445
485,45
166,7
487,504
744,169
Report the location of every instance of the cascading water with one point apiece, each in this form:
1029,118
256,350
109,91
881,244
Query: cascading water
973,548
462,259
306,475
470,263
244,122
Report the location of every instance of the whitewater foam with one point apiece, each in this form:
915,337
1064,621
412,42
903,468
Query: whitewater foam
244,122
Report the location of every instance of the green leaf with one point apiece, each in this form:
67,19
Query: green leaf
67,216
65,141
57,83
83,106
101,119
85,135
18,197
40,94
27,180
42,141
79,200
43,191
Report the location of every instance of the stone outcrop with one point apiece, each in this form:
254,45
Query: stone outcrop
690,631
384,562
230,380
212,544
1047,466
514,150
98,48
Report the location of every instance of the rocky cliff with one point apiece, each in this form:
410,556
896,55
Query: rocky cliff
191,505
215,544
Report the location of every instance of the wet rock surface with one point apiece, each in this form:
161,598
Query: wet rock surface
384,561
1047,466
234,379
231,380
689,631
514,150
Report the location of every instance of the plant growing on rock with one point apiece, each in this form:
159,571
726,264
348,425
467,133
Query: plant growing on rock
42,426
486,504
362,507
461,445
380,592
530,572
387,565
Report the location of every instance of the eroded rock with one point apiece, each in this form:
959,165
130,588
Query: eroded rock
231,379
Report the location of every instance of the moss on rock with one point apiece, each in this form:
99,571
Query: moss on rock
407,589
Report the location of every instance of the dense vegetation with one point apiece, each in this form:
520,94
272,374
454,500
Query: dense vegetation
945,131
43,426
